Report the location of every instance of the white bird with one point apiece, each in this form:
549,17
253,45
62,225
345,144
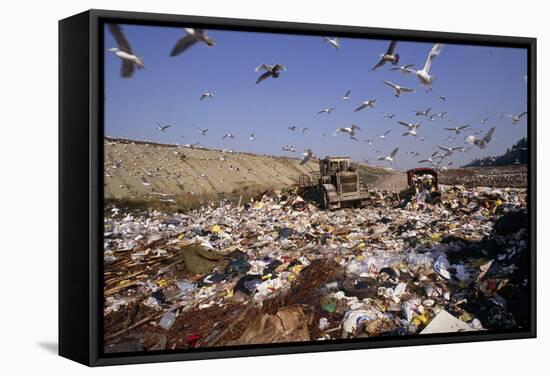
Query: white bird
399,89
270,71
252,137
450,150
411,128
124,52
207,94
442,98
326,110
347,95
370,103
289,148
431,159
303,130
422,113
388,116
307,156
484,120
424,74
203,131
383,136
411,131
369,142
162,128
516,118
292,128
349,130
388,56
480,142
389,158
441,114
228,135
193,36
405,69
334,42
458,129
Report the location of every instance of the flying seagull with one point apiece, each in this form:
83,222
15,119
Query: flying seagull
326,110
347,96
124,52
162,128
449,150
270,71
480,142
484,120
422,113
411,128
252,137
193,36
207,94
304,129
405,69
399,89
370,103
424,74
334,42
457,129
442,98
307,156
388,56
389,158
289,148
227,135
388,116
431,159
349,130
516,118
203,131
383,136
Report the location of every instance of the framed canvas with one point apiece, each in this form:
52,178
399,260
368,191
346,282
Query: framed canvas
236,187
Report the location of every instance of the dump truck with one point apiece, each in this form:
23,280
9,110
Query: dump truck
336,184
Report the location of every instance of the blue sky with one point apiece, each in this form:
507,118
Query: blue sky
477,82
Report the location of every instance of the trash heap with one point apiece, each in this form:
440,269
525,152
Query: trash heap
279,269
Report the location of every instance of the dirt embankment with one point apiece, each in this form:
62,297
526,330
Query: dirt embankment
138,170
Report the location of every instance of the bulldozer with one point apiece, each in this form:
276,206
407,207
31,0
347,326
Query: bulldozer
336,184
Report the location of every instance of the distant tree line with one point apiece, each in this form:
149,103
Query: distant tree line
518,154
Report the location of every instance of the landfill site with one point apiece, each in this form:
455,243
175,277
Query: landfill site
406,254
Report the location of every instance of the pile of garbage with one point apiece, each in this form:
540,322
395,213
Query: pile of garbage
279,269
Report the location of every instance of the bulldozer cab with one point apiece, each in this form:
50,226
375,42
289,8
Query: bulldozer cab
330,166
338,172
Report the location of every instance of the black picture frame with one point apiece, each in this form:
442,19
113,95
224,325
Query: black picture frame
81,183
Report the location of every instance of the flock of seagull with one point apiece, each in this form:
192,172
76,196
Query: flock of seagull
193,36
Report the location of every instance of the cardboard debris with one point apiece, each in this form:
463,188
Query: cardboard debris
444,322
